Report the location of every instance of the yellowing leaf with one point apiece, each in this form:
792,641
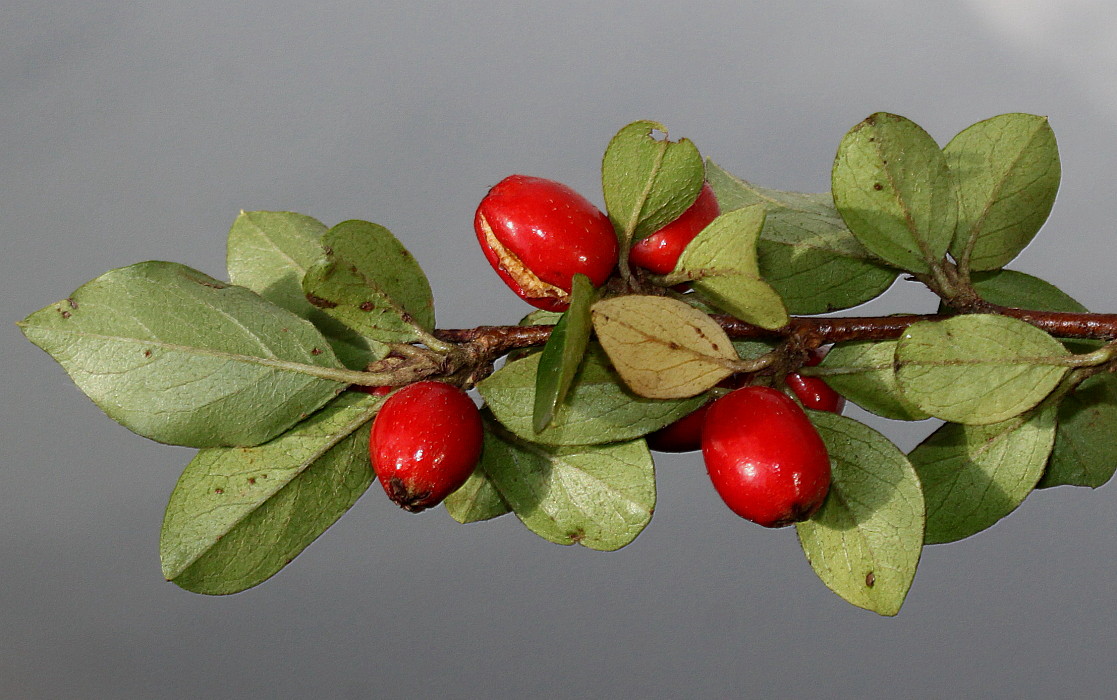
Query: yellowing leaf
663,348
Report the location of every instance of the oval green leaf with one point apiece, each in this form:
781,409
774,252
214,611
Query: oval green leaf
1007,171
864,373
663,348
269,252
865,541
805,252
181,358
974,475
477,499
648,182
895,192
599,408
369,282
237,516
1085,453
722,262
598,496
978,369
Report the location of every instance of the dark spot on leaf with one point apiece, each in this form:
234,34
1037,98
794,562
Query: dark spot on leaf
252,480
870,579
320,302
147,353
367,306
673,345
328,250
407,318
65,314
73,304
315,351
219,491
577,536
877,186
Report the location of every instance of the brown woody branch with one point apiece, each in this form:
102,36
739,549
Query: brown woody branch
810,331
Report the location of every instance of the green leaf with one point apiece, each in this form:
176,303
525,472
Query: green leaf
599,408
805,251
865,541
864,373
369,282
477,499
974,475
182,358
1023,291
269,252
1007,170
237,516
978,369
563,353
1085,453
722,261
663,348
598,496
648,182
895,191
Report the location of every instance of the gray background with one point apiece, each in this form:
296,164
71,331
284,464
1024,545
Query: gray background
137,130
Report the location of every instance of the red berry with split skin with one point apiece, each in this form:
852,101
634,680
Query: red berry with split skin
815,393
660,251
764,457
538,233
425,442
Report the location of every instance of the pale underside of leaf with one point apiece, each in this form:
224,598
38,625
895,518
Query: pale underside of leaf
663,348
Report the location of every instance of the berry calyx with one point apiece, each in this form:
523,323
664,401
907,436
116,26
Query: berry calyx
815,393
538,233
424,443
659,252
764,457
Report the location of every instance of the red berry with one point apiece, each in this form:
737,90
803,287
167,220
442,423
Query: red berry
765,459
537,234
374,390
660,251
684,435
813,391
424,443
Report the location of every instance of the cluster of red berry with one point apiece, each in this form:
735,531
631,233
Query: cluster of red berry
763,455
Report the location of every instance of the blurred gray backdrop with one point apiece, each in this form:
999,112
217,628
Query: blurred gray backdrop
137,130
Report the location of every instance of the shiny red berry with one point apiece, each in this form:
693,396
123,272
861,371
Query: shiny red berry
660,251
813,391
424,443
765,459
537,234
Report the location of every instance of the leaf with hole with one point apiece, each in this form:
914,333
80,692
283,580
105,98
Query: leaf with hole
648,182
